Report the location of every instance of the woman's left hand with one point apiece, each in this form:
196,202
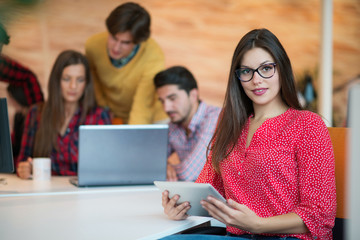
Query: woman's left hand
233,214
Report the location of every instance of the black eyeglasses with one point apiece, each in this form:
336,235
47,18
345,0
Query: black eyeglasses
265,71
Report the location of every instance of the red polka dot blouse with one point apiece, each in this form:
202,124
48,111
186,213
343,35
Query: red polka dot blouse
288,167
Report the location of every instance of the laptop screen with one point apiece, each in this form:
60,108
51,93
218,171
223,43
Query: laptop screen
122,154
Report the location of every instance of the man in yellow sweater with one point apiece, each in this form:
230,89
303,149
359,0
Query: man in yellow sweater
124,61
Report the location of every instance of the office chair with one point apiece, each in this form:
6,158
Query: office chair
339,139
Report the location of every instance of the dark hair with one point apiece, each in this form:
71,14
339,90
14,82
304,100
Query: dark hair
130,17
176,75
4,37
53,112
237,106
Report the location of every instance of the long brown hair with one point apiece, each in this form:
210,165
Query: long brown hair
53,113
237,105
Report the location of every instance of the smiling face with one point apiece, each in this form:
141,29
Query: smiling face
261,91
179,106
73,82
120,45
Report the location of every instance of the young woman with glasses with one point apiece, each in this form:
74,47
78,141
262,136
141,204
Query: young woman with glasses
272,161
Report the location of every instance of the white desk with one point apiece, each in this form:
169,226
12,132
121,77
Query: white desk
61,211
12,186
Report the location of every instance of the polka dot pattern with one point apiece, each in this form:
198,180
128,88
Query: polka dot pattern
289,166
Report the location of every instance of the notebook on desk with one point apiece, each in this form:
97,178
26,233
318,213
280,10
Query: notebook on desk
121,154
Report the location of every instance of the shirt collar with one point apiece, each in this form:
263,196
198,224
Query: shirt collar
198,117
123,61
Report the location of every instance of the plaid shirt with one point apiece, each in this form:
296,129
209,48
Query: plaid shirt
192,148
14,73
64,161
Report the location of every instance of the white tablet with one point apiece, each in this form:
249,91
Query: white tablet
191,192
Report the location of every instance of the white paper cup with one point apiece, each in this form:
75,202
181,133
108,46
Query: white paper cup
41,169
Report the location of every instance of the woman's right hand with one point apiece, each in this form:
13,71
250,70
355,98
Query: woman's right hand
24,169
172,209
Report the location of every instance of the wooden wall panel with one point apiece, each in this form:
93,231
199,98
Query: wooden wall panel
199,34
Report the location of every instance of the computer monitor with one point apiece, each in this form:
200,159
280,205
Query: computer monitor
6,155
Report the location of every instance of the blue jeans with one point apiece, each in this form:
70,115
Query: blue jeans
229,236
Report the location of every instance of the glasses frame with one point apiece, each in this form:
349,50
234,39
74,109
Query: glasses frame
253,72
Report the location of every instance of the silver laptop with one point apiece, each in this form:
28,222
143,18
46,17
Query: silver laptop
121,154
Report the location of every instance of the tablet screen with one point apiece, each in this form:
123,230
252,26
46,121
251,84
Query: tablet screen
191,192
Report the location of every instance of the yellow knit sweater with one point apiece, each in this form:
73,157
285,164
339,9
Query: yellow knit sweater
128,91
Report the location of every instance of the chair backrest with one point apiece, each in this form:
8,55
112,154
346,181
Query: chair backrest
117,121
339,139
